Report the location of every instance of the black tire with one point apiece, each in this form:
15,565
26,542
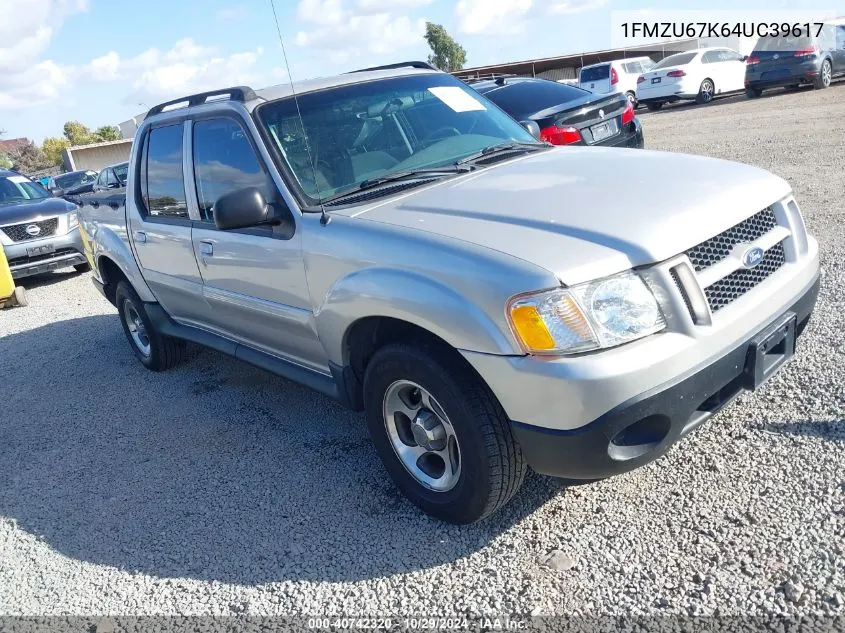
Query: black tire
654,106
706,92
164,351
824,77
753,93
82,268
492,463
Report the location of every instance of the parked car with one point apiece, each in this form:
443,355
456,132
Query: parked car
566,115
616,77
72,183
39,232
112,177
794,61
697,75
490,301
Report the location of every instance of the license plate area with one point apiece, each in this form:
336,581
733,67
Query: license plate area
769,350
655,80
604,130
35,251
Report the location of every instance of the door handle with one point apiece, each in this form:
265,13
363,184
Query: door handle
206,248
140,236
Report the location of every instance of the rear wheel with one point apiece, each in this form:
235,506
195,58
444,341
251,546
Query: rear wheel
155,351
654,106
753,93
824,77
705,92
442,436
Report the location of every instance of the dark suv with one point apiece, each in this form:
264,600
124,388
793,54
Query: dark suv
794,61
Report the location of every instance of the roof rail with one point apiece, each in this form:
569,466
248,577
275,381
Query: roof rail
423,65
236,93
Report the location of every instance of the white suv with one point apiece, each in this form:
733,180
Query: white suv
616,77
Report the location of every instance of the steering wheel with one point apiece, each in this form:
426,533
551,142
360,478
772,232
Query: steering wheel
443,132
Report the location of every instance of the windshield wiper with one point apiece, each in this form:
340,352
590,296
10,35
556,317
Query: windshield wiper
371,183
510,146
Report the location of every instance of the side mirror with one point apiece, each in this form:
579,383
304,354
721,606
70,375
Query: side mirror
243,208
532,127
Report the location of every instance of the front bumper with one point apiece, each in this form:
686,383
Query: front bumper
644,428
68,251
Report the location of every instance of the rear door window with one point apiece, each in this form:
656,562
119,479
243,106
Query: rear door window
224,161
165,181
633,67
595,73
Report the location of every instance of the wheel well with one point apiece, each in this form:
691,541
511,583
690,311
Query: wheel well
111,275
366,336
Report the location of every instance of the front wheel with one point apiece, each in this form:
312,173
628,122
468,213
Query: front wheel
441,434
824,77
155,351
705,92
753,93
654,106
82,268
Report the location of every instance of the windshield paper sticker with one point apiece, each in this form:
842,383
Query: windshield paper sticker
456,98
18,179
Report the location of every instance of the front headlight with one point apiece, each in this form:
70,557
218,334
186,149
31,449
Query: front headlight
72,221
589,316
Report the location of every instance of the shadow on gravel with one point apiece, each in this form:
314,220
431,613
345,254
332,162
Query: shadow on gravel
214,470
47,279
833,430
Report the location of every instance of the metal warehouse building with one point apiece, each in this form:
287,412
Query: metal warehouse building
567,66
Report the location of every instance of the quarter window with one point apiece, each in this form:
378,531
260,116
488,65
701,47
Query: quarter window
224,161
165,190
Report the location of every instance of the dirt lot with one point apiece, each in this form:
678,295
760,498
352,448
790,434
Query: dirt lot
218,489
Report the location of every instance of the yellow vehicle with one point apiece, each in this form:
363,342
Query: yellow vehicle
9,294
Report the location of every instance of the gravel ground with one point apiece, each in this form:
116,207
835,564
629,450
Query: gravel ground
219,489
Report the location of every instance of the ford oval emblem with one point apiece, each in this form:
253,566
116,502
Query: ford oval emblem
33,230
752,257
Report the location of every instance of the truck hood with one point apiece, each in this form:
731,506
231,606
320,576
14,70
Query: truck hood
583,213
32,210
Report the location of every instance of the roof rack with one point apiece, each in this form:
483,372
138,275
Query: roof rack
236,93
423,65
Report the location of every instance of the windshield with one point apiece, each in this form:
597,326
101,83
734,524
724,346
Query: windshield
679,59
120,171
595,73
15,189
73,179
369,130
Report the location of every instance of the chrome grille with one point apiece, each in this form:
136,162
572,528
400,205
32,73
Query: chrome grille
718,248
18,233
741,281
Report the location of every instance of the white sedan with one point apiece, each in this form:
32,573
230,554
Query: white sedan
697,75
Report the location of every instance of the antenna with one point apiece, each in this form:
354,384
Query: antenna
324,217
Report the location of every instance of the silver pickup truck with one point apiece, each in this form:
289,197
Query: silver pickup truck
394,240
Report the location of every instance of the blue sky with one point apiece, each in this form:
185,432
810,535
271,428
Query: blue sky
101,62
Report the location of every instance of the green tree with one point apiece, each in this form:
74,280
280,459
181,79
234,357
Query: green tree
447,54
52,148
28,158
5,162
106,133
77,133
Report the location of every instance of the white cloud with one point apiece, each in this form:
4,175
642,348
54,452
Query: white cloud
577,6
26,31
367,27
491,16
510,16
387,6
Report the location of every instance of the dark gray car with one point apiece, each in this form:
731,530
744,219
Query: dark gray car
795,61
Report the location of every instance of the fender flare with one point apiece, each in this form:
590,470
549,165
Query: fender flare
410,297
